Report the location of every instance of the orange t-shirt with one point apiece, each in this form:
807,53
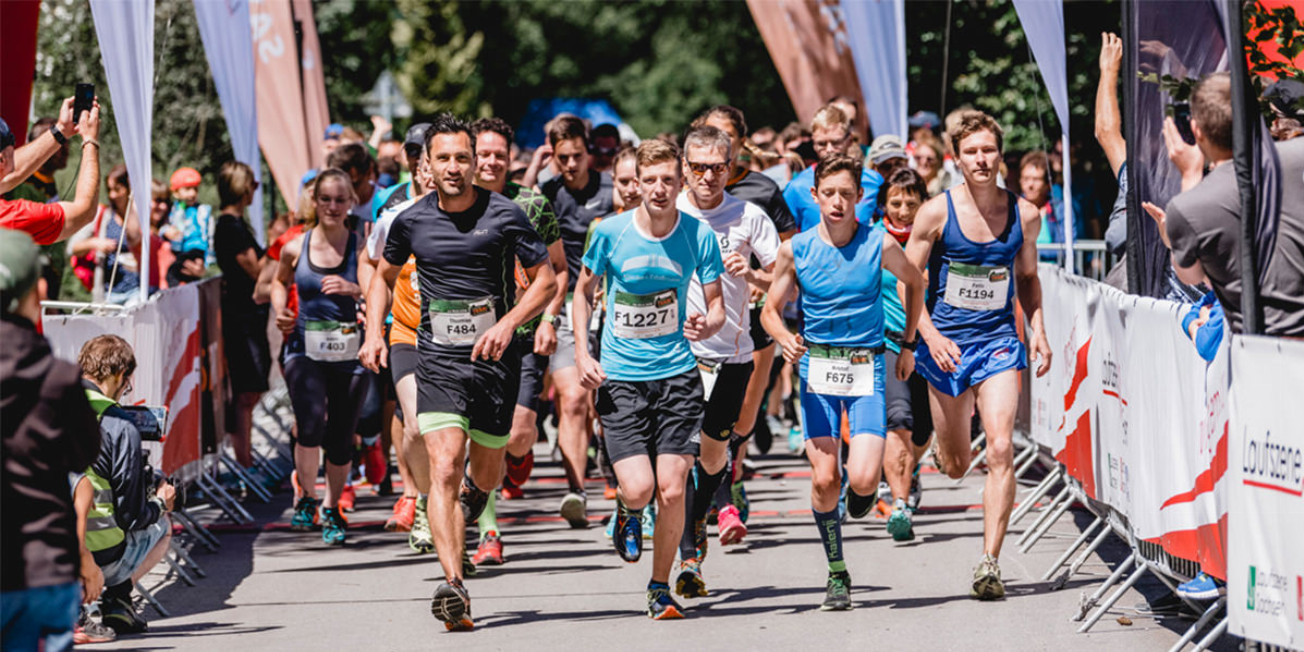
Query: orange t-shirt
406,308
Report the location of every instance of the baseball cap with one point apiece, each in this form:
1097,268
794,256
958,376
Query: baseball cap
924,119
6,136
1287,96
308,177
20,266
415,139
335,130
185,178
884,148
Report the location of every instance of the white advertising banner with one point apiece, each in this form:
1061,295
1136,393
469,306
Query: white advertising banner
1265,569
877,32
1161,465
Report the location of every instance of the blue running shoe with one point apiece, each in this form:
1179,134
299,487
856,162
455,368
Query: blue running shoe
649,520
1201,587
796,440
333,526
305,514
611,526
738,494
660,606
899,523
628,535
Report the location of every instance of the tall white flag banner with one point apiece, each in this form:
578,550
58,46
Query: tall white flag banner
877,31
1043,25
1265,527
229,44
126,34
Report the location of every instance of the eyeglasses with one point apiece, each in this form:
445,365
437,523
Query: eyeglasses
605,151
699,169
830,144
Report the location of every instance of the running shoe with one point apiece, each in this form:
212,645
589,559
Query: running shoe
837,593
490,552
899,523
473,500
859,506
738,495
609,492
452,605
119,614
468,566
916,491
347,497
628,535
405,511
574,508
660,606
1201,587
690,584
611,526
701,539
884,492
87,630
510,490
377,464
518,469
649,520
796,441
419,539
305,514
987,584
731,527
333,526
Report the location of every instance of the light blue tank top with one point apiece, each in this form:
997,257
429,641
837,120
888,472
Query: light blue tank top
840,289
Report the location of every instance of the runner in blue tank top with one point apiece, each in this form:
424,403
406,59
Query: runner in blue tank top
325,382
837,266
983,246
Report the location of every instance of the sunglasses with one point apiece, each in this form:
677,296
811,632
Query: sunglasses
605,151
699,169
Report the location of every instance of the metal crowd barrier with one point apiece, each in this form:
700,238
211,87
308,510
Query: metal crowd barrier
1090,257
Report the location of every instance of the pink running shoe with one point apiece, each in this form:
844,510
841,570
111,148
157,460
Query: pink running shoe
731,526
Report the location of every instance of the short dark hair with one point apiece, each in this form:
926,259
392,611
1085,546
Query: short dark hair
1037,159
831,165
1211,107
117,176
732,114
106,356
39,127
606,130
496,125
351,157
568,127
906,180
447,123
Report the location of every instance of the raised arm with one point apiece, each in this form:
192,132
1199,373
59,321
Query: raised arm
1109,122
81,210
30,157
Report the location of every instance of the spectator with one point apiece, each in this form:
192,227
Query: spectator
40,146
331,139
928,154
113,241
1202,225
1035,186
40,187
48,432
1286,98
127,530
160,208
244,322
190,229
50,223
606,142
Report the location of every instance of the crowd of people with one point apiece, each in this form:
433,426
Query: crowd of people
668,305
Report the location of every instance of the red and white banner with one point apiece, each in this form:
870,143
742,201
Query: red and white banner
1135,415
166,337
1265,571
18,31
282,130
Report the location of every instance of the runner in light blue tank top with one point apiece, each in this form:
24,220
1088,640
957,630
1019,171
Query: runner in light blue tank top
979,243
838,268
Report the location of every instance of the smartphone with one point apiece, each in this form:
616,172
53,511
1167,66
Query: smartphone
1182,117
82,100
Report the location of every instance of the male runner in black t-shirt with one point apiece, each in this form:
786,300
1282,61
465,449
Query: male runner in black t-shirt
466,241
578,196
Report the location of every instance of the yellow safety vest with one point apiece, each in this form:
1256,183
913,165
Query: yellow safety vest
102,531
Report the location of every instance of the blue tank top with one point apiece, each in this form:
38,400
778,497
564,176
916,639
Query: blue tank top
971,284
840,288
315,306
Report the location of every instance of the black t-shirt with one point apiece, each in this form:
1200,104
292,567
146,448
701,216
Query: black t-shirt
764,192
467,255
232,237
575,210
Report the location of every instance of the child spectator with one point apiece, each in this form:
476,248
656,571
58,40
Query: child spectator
190,227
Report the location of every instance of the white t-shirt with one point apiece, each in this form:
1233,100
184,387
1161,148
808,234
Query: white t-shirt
741,227
380,230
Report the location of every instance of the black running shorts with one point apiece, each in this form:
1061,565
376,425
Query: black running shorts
907,402
652,417
533,367
478,396
726,400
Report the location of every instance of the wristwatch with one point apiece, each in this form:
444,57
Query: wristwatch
909,346
548,318
58,135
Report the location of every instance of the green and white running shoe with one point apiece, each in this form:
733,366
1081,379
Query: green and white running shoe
419,538
899,523
987,584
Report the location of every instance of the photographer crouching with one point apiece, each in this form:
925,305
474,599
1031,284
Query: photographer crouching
127,530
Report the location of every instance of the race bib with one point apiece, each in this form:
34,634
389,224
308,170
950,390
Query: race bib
460,322
977,287
710,371
644,316
839,371
331,341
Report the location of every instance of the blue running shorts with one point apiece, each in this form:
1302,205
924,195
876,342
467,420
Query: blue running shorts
822,414
978,362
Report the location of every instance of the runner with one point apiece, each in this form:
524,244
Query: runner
536,340
724,360
909,421
578,196
322,373
465,241
837,267
651,401
978,241
761,190
831,135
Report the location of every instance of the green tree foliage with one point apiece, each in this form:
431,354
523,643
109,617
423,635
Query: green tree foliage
355,49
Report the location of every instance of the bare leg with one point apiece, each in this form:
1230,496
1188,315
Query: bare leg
634,474
899,462
243,426
307,461
525,431
864,461
446,450
672,473
413,449
951,421
336,476
156,553
824,454
572,425
998,399
486,467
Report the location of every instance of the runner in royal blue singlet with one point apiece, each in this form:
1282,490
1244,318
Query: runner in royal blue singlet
979,243
837,266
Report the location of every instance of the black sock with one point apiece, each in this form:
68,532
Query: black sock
707,487
687,546
830,528
120,591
